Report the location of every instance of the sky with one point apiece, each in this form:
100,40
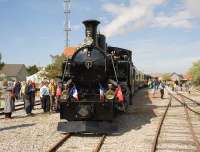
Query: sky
164,35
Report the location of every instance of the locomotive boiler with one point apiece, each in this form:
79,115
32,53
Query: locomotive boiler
98,81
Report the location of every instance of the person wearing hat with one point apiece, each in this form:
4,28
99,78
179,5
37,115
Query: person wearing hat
9,103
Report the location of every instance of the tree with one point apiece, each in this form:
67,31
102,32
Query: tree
1,63
195,72
55,68
32,69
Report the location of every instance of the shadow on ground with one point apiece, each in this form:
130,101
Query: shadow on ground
17,126
26,116
138,115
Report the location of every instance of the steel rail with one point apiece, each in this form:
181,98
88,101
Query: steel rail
20,108
189,99
59,143
18,105
155,141
197,90
195,139
184,104
98,148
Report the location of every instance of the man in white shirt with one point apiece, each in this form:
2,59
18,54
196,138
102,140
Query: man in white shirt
44,95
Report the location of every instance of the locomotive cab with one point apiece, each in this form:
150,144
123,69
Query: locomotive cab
123,70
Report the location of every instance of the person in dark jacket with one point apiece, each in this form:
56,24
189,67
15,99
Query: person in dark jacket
28,98
9,103
16,90
33,90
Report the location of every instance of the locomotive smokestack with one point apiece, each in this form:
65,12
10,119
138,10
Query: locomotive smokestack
91,29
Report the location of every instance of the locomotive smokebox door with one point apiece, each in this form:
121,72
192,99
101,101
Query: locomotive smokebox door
88,64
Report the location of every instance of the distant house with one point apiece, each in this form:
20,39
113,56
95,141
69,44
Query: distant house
68,52
14,72
157,75
187,77
176,77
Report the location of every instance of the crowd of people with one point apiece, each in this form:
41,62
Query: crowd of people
50,94
180,86
156,84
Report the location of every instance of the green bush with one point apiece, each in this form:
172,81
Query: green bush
55,68
195,72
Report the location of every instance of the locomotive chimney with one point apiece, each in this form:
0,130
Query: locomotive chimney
91,29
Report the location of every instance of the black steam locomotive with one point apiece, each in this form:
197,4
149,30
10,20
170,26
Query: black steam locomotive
99,81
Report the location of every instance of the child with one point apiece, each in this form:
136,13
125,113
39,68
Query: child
9,103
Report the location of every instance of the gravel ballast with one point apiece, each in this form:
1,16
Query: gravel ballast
136,130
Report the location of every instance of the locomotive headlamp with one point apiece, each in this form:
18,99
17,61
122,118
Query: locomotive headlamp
110,95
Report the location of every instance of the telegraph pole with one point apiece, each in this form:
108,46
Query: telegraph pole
67,28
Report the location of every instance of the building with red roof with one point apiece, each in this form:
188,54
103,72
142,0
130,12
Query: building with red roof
69,51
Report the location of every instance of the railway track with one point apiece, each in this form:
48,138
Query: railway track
59,143
177,126
19,107
191,104
197,90
188,98
68,136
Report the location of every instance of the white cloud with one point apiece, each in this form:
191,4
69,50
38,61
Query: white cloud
180,19
129,17
141,13
114,8
193,6
103,19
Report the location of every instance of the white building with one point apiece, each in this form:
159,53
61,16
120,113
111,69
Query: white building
38,77
176,77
